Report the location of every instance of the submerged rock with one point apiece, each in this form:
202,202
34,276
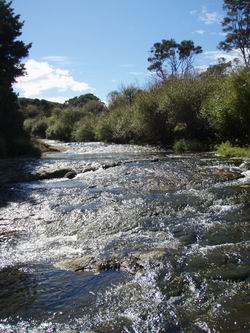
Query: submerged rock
85,263
131,263
245,186
52,174
225,175
8,235
111,165
70,174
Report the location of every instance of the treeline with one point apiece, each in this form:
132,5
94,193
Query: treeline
189,113
72,121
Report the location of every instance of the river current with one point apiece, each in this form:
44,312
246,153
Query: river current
177,228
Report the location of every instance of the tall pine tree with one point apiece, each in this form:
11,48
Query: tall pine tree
236,25
12,50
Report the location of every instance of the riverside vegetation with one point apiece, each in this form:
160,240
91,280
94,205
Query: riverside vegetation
188,114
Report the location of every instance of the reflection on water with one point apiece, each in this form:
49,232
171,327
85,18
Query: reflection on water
39,293
186,218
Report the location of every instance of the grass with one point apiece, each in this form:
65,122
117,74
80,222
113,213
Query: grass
183,146
226,149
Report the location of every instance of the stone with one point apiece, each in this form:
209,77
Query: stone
131,263
85,263
225,175
51,174
90,168
111,165
70,174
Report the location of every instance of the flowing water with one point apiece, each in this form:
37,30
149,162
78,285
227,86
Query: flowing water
184,219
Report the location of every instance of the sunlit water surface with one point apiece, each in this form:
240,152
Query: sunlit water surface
132,200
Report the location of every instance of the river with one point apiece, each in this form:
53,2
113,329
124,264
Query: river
132,240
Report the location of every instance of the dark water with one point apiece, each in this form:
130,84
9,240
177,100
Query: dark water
191,209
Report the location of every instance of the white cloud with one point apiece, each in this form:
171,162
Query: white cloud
57,99
201,68
200,32
42,77
213,56
209,17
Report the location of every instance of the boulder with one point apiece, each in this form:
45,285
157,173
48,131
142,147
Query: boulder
225,175
131,263
61,173
70,174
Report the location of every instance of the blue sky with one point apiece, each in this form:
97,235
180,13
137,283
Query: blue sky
82,46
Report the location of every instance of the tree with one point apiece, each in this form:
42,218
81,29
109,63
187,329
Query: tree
170,58
81,100
12,51
236,25
122,98
221,69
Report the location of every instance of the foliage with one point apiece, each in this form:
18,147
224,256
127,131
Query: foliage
236,25
12,50
36,127
61,121
183,145
32,108
84,130
123,98
190,114
170,58
222,68
226,149
227,110
81,100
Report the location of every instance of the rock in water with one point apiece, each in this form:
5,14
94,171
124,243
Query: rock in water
70,174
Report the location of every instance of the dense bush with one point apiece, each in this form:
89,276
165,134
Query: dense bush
228,108
36,127
183,145
226,149
188,114
84,130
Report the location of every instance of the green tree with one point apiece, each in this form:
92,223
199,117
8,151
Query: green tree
236,25
80,101
222,68
12,50
170,58
122,98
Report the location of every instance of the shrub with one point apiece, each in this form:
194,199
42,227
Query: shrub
226,149
182,101
36,127
59,131
148,120
84,130
104,130
228,109
183,145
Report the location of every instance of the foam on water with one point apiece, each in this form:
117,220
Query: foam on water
140,205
